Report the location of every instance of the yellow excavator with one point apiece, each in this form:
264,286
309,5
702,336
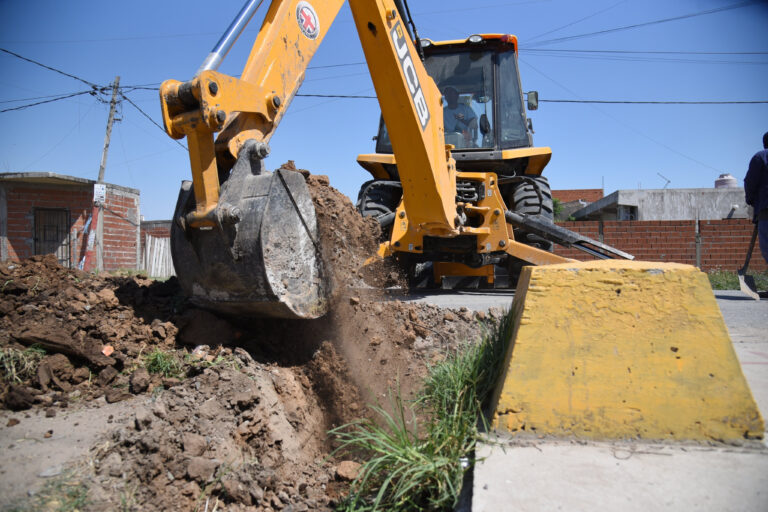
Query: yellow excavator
608,349
455,189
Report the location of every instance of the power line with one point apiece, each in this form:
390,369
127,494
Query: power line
86,82
631,102
663,52
576,21
336,65
622,123
113,39
46,101
652,59
126,98
647,23
37,98
335,96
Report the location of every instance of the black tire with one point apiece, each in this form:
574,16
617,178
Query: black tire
525,199
379,199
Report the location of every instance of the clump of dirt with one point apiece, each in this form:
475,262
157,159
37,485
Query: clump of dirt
347,238
239,408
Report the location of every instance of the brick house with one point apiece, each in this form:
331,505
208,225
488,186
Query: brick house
44,212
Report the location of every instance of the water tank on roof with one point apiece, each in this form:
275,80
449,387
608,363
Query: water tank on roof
726,181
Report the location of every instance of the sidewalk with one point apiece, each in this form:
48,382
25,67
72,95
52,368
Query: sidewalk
546,475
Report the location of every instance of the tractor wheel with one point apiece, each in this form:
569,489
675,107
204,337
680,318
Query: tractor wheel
525,199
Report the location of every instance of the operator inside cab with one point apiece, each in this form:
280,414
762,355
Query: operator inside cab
459,120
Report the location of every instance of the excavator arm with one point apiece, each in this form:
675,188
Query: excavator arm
250,108
247,109
244,240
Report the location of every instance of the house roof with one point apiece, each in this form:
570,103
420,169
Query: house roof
52,178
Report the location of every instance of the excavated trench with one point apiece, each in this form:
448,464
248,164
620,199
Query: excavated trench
223,411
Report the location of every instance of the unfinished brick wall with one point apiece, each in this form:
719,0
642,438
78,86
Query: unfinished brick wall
722,244
589,195
121,230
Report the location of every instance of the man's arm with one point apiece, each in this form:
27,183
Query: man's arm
752,179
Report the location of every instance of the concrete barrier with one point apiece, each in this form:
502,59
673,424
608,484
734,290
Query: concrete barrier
622,349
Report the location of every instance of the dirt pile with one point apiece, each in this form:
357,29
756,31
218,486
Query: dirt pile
90,328
233,411
243,433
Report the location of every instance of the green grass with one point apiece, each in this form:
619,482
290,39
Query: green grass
725,280
66,493
16,366
557,208
412,467
165,363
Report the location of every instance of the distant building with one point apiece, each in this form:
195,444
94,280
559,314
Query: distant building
667,204
574,200
44,212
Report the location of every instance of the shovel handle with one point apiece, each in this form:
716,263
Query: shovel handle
749,252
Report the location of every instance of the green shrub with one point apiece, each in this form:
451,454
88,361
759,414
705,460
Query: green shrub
413,468
164,363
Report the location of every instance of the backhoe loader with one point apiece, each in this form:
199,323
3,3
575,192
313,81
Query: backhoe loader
244,240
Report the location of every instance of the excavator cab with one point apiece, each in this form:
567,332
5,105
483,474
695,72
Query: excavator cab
466,72
483,71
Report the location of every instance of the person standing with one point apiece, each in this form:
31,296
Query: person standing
756,193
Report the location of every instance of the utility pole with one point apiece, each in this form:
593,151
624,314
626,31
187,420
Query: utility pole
96,222
112,108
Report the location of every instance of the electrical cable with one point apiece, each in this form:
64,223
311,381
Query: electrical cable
21,107
663,52
647,23
126,98
618,121
70,132
635,58
37,97
336,65
576,21
334,96
86,82
630,102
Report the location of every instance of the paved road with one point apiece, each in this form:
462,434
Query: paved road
545,475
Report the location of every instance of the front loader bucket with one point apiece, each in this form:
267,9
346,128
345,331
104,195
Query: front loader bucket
261,259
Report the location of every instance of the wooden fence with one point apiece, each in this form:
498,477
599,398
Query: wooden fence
156,259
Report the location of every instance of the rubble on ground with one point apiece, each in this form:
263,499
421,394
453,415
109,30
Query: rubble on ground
230,410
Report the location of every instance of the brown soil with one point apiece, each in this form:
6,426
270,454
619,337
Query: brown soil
244,420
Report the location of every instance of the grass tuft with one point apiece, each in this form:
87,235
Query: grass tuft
16,366
164,363
726,280
408,468
66,493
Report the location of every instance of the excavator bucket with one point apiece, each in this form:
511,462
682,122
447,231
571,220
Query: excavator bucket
622,350
261,258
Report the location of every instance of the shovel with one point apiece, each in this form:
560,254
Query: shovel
747,283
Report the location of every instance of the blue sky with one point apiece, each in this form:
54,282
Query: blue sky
722,56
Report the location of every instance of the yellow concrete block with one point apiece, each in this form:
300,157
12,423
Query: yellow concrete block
622,349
